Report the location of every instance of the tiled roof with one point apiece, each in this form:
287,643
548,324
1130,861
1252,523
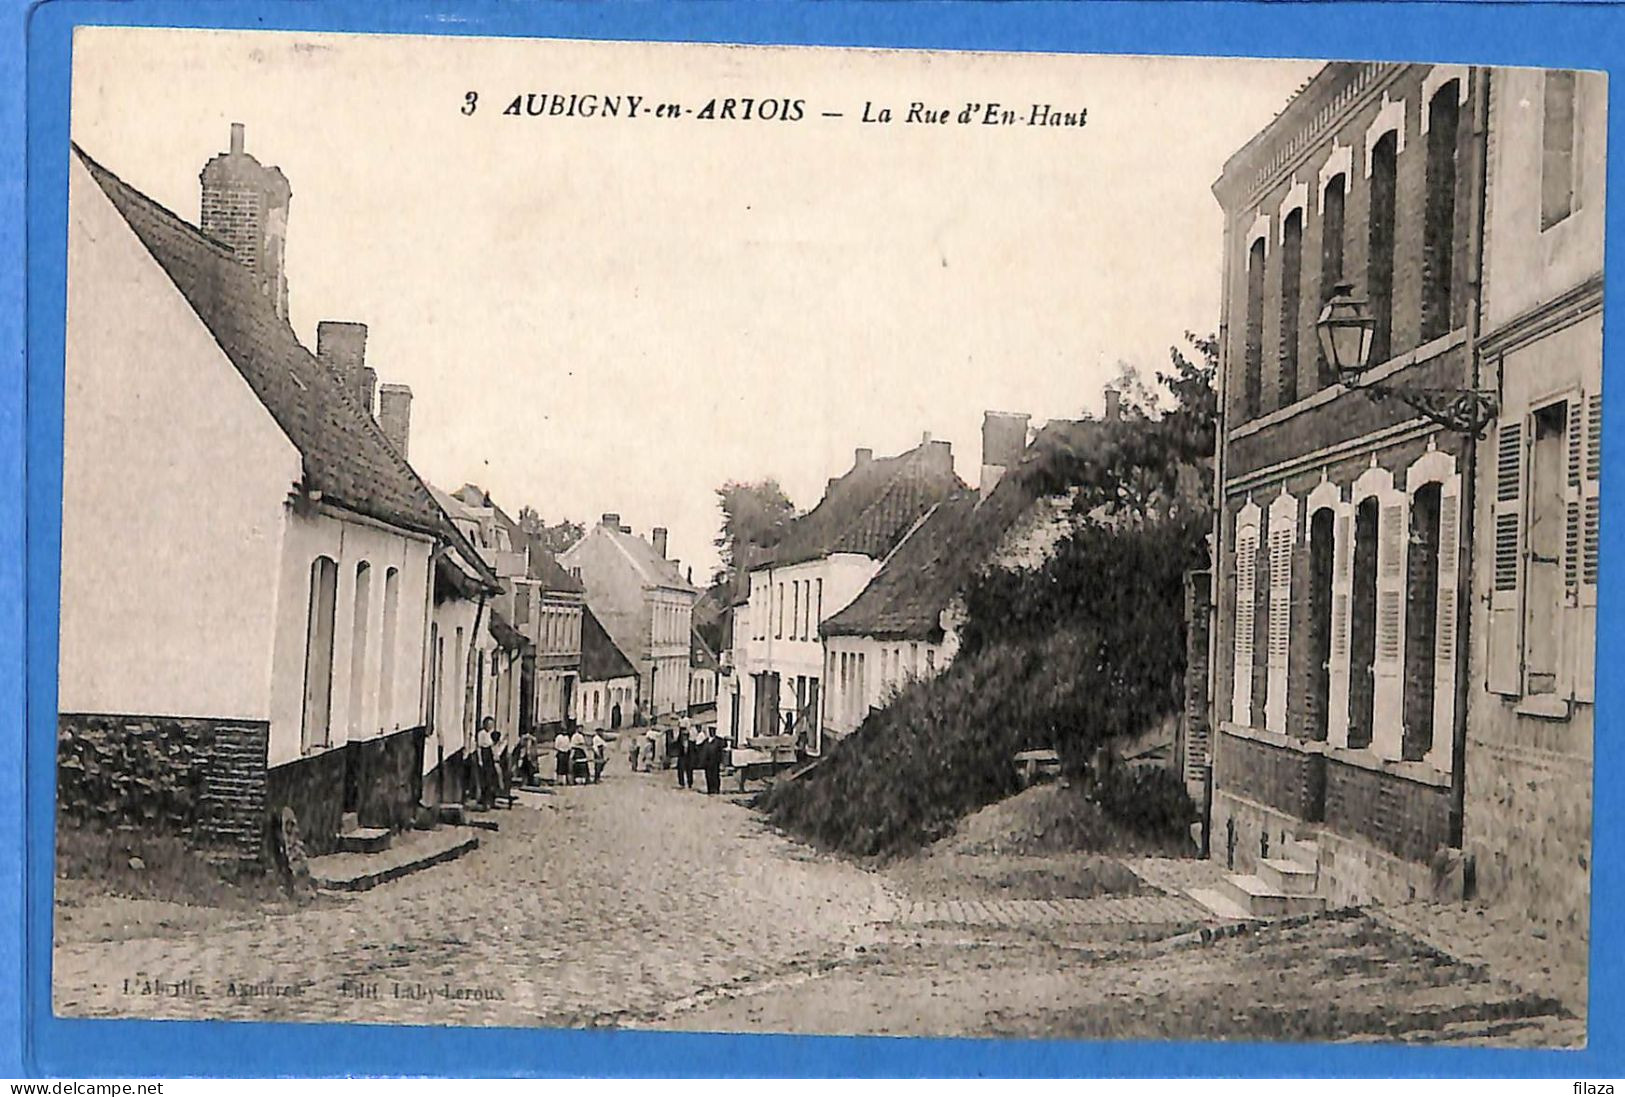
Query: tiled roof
601,660
544,567
906,597
871,508
345,455
653,567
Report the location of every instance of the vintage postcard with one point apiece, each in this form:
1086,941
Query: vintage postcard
831,541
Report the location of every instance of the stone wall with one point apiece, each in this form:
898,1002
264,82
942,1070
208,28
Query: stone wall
1528,830
379,779
204,779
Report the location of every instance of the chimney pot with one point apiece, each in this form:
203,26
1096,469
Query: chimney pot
613,521
1114,405
658,537
236,137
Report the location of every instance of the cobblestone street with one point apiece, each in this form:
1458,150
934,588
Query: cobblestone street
635,904
591,905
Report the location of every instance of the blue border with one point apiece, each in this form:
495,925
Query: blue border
1551,34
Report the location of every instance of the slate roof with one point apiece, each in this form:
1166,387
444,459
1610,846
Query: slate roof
345,455
601,659
544,567
870,509
906,597
650,565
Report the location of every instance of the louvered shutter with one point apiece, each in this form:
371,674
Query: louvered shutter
1283,521
1241,687
1337,693
1504,638
1388,671
1582,546
1441,754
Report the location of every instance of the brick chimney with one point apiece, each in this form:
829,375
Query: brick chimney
613,521
395,415
1114,405
939,455
862,456
341,346
657,537
245,206
366,386
1004,438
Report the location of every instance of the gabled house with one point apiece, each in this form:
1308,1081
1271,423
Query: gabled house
542,601
643,602
608,697
825,558
257,629
905,623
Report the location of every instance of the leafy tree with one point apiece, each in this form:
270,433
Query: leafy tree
554,538
1085,648
754,516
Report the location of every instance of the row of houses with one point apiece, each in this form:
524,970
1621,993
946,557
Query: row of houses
288,615
1403,636
865,592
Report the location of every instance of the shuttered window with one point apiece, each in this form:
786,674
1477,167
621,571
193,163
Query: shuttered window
1241,692
1337,685
1283,526
1505,632
1582,546
1388,667
1445,655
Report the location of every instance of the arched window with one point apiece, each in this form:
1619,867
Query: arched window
1291,304
1322,558
1331,254
1421,621
1439,223
1363,625
318,707
1252,382
359,627
1380,253
386,653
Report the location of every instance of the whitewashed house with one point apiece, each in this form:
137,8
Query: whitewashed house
246,559
824,560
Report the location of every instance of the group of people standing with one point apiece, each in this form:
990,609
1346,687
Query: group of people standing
691,750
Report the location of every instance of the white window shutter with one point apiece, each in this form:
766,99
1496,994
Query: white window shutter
1583,547
1337,693
1504,639
1283,528
1241,687
1393,535
1442,753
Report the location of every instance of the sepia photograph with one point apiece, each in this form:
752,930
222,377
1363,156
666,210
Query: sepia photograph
828,541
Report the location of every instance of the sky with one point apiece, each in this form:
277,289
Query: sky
621,314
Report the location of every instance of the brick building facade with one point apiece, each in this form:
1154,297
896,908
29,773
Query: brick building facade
1341,545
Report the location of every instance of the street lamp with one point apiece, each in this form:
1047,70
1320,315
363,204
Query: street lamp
1345,328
